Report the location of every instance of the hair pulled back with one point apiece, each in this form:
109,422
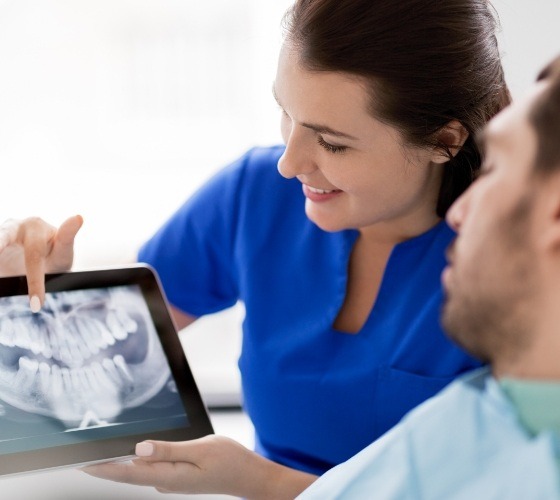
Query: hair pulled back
428,62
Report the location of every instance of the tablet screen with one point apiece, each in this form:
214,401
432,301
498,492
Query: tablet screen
99,368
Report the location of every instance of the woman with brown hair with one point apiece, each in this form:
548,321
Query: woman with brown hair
337,261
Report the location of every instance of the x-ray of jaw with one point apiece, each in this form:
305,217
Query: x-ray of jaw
83,359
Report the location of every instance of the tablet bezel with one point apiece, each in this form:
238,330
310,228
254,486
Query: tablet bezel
70,455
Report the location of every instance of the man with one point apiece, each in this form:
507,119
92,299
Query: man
495,433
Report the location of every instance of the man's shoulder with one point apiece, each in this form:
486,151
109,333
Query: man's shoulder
463,443
471,414
471,409
470,434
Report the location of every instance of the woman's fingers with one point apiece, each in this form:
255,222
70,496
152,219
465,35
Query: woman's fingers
8,233
62,253
169,476
36,237
68,230
34,247
142,474
212,464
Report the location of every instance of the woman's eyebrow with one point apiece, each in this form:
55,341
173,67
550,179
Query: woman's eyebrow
320,129
323,129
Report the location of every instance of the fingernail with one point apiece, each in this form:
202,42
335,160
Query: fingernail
144,449
35,304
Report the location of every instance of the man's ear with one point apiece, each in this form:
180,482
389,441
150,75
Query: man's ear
453,136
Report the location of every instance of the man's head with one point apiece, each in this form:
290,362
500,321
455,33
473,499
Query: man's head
503,281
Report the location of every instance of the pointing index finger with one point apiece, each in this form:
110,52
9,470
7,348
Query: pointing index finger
36,237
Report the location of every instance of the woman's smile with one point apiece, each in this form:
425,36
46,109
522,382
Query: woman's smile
318,195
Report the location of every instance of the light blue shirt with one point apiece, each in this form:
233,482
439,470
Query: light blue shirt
465,443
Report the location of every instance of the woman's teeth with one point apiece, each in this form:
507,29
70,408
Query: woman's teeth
322,191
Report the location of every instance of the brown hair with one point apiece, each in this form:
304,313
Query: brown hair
428,63
545,117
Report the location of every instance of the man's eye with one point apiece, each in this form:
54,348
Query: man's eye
330,147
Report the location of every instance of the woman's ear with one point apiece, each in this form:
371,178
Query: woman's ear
453,136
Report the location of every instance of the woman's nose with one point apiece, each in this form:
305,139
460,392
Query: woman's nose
297,158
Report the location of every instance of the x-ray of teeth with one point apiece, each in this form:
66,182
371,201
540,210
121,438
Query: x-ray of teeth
86,357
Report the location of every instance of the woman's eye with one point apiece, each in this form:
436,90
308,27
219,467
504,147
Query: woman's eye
330,147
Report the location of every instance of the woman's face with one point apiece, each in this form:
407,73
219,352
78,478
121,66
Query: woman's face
355,171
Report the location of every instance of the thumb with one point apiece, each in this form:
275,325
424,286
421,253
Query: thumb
62,255
161,451
68,229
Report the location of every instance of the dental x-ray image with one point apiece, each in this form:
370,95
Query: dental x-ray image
88,360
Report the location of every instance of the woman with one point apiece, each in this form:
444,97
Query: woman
338,259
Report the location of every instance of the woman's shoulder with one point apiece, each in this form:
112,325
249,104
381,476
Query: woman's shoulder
259,159
256,166
255,169
261,164
264,155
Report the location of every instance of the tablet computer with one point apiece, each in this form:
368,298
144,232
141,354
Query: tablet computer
97,370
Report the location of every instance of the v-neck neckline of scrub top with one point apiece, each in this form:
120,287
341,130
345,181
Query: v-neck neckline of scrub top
351,235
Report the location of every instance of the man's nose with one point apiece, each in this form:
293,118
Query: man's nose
456,213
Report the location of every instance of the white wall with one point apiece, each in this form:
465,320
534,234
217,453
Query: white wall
118,109
529,38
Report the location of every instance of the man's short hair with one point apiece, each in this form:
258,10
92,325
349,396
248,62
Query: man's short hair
545,118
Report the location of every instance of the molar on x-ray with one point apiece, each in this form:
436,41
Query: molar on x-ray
83,359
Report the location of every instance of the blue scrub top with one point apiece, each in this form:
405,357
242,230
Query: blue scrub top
316,396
